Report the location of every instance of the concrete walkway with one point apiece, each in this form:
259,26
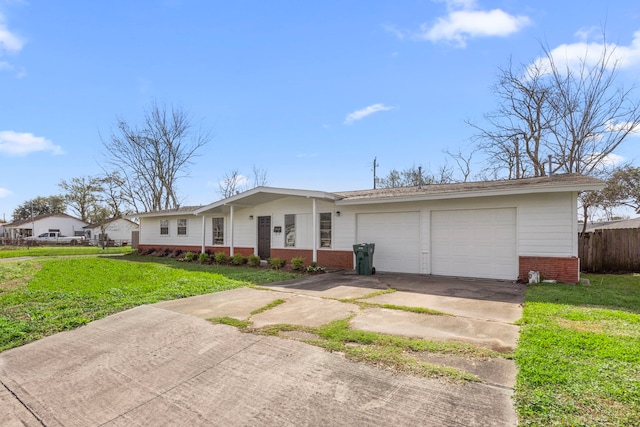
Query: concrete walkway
165,365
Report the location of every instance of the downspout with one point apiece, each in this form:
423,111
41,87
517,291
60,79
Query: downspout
315,231
231,230
203,234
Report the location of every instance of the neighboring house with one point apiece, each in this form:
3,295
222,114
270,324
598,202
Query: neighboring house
62,223
621,224
3,233
494,229
116,229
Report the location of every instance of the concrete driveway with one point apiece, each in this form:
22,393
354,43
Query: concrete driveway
165,365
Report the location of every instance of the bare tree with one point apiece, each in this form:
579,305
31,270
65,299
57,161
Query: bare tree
592,115
415,176
100,216
259,176
463,163
231,184
515,132
112,194
81,194
576,115
234,182
152,158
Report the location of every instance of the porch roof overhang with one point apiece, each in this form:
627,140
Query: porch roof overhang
260,195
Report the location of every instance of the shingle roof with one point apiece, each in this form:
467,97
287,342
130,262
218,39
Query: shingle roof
511,185
181,209
38,218
628,223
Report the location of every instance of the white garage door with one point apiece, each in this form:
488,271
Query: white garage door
397,239
474,243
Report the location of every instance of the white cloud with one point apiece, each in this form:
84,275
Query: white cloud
572,55
20,144
395,31
633,129
608,161
364,112
4,192
9,42
465,21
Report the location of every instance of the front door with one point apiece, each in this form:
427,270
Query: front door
264,237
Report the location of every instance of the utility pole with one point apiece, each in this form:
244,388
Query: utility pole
517,150
375,165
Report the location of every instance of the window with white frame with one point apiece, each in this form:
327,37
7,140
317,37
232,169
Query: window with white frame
182,227
164,227
218,231
290,230
325,230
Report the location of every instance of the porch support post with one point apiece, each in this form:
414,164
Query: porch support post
203,235
314,222
231,230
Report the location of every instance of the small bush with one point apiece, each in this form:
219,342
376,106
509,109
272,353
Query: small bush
238,259
297,263
220,258
254,260
314,268
276,263
189,256
204,258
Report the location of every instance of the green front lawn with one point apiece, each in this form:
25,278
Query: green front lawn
579,354
48,295
22,251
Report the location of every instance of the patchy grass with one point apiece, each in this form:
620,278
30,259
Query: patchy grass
272,304
579,354
18,251
385,351
365,304
230,321
398,353
49,295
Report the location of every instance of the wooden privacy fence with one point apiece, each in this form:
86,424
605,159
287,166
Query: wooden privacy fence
610,250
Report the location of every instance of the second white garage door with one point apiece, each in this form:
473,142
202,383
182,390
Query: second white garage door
397,239
474,243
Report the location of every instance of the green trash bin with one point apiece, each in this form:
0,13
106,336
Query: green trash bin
364,258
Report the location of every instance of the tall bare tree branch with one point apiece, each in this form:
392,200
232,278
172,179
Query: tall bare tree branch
151,159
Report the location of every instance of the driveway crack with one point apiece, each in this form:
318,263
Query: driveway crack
24,405
232,355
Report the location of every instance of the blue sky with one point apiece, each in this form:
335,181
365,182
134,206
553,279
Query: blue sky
311,92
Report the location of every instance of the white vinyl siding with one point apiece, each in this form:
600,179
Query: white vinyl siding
548,225
545,225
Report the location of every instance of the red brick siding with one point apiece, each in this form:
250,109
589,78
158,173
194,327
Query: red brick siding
336,259
287,254
227,250
209,249
562,269
171,247
326,258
